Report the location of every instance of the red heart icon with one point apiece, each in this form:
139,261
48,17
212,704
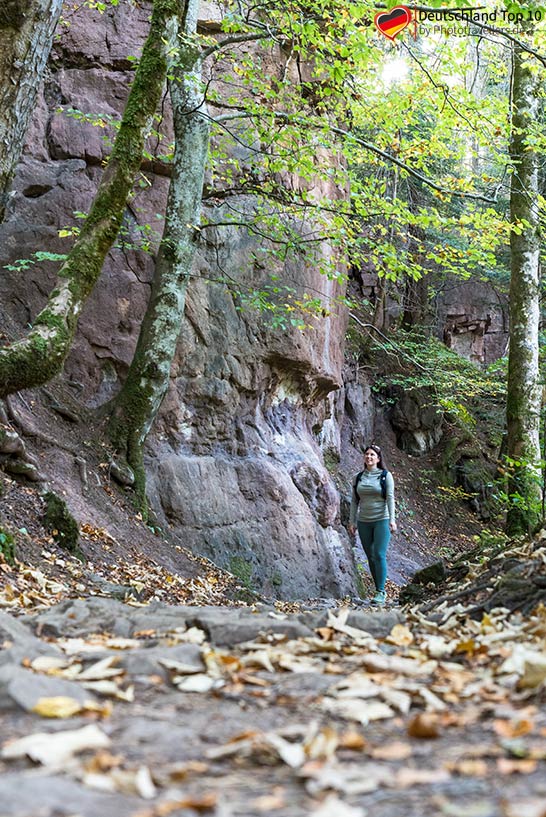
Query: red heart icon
390,23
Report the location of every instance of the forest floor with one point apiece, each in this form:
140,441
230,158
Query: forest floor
146,682
136,709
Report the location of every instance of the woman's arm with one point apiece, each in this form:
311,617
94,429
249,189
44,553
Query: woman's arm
390,501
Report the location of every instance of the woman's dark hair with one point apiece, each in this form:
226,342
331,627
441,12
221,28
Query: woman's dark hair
376,450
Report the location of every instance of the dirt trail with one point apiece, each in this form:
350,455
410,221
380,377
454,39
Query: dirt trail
168,710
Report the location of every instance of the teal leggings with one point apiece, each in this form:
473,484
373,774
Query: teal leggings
375,537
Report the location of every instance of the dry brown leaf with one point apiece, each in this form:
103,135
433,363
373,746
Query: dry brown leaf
196,683
127,781
270,802
392,751
400,635
258,658
60,706
506,765
55,750
183,770
180,667
355,709
101,670
469,767
424,725
293,754
46,663
406,778
321,744
514,728
112,690
352,740
393,663
204,802
103,761
348,778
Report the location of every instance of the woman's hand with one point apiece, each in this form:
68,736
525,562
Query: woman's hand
393,527
351,529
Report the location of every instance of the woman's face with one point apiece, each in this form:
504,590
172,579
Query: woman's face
370,459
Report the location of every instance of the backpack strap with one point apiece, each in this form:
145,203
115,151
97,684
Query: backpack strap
355,486
383,483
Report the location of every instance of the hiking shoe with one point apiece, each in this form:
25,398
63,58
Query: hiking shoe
380,598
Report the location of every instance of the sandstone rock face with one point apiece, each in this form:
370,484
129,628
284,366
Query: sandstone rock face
417,421
234,463
473,320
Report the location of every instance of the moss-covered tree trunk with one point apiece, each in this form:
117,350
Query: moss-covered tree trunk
524,394
26,35
137,404
38,357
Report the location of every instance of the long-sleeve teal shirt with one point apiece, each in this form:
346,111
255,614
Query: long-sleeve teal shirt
371,506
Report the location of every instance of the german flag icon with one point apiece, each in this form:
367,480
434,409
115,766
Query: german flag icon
390,23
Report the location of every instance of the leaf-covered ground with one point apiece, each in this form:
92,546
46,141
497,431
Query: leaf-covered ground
142,709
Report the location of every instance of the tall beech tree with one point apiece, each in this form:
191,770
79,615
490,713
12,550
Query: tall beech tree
136,405
524,391
26,35
38,357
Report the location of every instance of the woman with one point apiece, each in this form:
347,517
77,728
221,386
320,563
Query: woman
374,498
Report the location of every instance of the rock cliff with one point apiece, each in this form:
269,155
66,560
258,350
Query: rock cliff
235,466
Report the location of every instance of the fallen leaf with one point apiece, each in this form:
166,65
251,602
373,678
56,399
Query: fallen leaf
352,740
46,663
424,725
293,754
506,765
402,666
347,778
111,689
400,635
469,767
514,728
406,778
355,709
321,744
269,802
196,683
102,761
392,751
59,706
204,802
101,670
180,667
54,750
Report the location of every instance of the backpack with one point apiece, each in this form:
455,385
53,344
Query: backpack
382,482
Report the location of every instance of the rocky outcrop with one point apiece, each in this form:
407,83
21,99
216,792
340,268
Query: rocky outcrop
234,464
417,421
472,319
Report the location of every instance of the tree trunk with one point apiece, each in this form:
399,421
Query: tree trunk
38,357
138,402
26,36
523,398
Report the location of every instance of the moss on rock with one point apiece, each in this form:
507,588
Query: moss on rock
61,523
7,546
